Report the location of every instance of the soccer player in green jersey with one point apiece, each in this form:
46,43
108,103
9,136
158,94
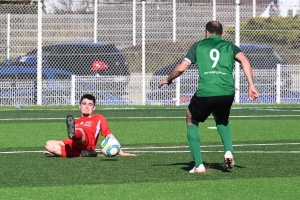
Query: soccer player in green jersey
215,58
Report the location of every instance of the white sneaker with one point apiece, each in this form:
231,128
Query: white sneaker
199,170
228,160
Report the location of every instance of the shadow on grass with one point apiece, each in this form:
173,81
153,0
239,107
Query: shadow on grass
104,158
215,166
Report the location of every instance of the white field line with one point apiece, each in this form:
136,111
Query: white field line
148,149
175,108
275,152
145,151
209,146
252,116
272,108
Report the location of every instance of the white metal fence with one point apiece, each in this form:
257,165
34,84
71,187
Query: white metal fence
147,36
280,85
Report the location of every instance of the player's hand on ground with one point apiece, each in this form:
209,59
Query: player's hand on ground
47,153
122,153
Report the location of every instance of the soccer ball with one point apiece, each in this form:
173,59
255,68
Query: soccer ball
110,147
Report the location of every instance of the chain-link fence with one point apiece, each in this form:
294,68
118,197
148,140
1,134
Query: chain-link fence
119,52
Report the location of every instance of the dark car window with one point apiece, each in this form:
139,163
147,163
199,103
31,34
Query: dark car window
21,77
109,53
46,51
79,58
264,58
83,59
62,76
32,53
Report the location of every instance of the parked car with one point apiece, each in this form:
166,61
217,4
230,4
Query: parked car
263,60
84,59
18,85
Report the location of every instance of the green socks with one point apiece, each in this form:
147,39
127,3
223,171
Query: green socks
224,130
194,140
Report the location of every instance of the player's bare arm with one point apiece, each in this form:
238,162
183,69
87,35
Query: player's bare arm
253,93
121,152
175,73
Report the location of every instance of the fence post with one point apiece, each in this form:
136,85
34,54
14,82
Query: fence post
143,54
214,10
8,39
177,96
134,22
39,54
278,83
96,21
73,90
237,42
174,20
254,8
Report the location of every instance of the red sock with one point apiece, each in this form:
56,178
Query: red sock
78,135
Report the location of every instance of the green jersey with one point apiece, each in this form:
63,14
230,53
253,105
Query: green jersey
215,58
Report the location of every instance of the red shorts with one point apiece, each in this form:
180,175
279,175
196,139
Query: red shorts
70,150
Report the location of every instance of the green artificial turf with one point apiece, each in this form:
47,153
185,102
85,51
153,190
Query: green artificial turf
266,139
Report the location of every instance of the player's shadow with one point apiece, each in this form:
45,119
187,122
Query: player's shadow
215,166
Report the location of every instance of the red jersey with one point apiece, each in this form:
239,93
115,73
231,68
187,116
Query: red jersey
92,126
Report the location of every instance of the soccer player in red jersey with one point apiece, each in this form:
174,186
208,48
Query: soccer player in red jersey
83,133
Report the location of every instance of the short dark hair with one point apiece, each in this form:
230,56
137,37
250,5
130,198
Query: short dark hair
89,97
214,27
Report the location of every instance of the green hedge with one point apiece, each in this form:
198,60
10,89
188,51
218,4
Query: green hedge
280,30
